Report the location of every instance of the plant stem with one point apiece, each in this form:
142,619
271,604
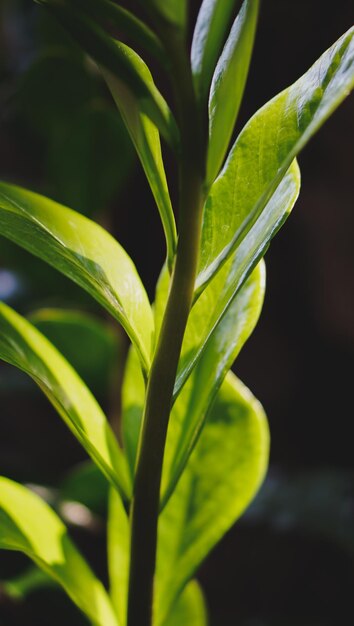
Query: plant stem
146,502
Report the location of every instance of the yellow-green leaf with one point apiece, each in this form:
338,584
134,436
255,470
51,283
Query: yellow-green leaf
212,24
30,526
83,251
264,151
118,541
223,475
189,609
146,139
23,346
228,85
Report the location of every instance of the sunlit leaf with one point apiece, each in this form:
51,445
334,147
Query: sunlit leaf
228,85
222,476
146,139
84,252
199,392
220,350
118,545
208,40
30,526
221,293
23,346
264,151
189,609
133,397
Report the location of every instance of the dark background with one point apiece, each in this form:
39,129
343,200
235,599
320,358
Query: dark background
289,561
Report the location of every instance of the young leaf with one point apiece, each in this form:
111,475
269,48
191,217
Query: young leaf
220,480
23,346
189,609
146,140
228,85
208,39
118,545
112,55
219,295
84,252
265,149
30,526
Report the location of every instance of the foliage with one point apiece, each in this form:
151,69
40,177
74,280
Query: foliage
195,441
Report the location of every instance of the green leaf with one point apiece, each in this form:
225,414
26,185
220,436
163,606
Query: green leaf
208,40
113,56
220,351
220,294
190,608
128,24
29,525
221,478
133,398
219,324
146,140
84,252
23,346
118,544
228,85
264,151
88,343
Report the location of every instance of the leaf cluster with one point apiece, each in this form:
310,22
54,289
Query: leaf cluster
217,443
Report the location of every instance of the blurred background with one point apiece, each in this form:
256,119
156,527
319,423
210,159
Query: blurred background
290,559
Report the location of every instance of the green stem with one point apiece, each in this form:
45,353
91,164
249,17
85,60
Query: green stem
146,502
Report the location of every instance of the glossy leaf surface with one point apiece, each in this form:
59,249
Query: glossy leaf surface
215,358
190,608
113,56
30,526
228,85
212,24
213,304
222,476
84,252
265,149
202,386
146,139
23,346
